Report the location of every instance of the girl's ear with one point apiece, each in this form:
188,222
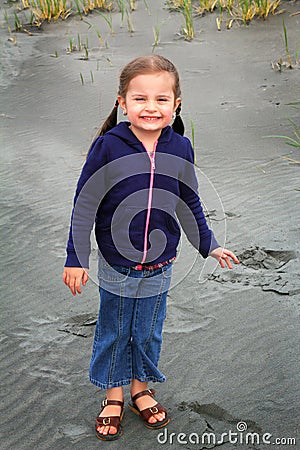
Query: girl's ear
122,102
177,103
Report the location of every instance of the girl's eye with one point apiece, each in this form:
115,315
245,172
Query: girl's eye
162,99
139,99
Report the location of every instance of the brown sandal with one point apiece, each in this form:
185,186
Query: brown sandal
114,421
145,414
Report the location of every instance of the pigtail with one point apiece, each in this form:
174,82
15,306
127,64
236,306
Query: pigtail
178,125
110,122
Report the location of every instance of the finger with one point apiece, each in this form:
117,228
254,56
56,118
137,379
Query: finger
221,262
78,285
224,260
232,255
228,262
72,285
69,281
72,289
66,278
235,259
85,278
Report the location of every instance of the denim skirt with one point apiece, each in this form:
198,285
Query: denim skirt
128,334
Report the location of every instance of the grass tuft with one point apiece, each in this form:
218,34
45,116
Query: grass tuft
236,10
187,12
156,33
286,61
52,10
81,79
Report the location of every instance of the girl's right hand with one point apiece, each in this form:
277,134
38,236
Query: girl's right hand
73,277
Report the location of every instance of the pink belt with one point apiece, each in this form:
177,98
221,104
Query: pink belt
155,266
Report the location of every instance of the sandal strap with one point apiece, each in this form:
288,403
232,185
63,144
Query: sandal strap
150,392
112,402
112,421
148,412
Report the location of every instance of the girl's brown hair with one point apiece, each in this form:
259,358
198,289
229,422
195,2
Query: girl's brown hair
141,66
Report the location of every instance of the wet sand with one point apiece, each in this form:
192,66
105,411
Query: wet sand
231,339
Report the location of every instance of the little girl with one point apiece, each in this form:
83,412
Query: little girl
137,181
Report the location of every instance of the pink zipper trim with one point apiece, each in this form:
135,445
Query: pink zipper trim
152,161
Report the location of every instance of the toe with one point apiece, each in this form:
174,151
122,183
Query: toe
100,429
152,419
103,430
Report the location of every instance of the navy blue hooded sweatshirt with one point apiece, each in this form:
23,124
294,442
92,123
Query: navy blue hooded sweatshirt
136,200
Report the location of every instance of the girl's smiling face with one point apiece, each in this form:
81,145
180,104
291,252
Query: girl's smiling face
150,103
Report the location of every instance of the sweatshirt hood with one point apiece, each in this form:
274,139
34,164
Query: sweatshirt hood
123,132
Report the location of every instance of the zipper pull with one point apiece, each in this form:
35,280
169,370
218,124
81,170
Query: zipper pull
153,161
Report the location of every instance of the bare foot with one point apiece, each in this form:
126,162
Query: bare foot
146,401
111,410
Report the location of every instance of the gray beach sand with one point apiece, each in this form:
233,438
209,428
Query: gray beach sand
231,338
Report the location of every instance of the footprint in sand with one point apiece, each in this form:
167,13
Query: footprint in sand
268,269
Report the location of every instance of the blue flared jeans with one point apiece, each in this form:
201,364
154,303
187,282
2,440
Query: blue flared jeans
128,334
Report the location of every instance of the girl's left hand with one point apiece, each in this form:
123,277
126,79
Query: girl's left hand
223,256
